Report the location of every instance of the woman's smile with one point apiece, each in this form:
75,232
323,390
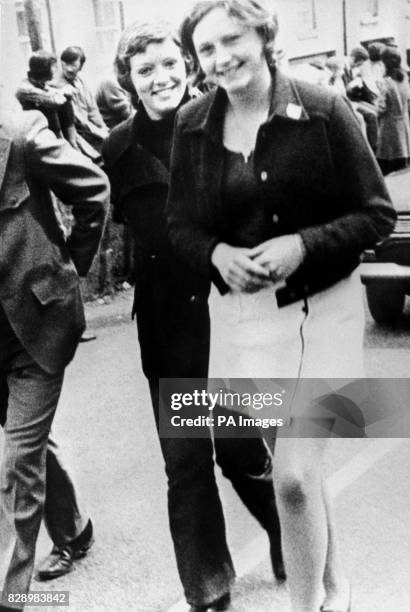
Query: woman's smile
164,91
230,71
159,77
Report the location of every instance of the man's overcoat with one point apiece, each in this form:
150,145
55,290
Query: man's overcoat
39,269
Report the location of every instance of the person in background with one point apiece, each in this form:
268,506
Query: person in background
172,317
56,104
357,57
335,67
362,96
273,196
88,120
35,92
115,107
373,69
41,321
393,147
113,102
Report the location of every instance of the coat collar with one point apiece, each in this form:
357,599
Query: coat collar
286,104
125,135
286,101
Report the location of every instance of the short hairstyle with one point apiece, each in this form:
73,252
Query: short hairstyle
254,13
72,54
334,63
375,50
391,58
135,39
40,64
359,54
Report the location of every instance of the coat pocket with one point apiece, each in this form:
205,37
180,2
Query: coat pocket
55,287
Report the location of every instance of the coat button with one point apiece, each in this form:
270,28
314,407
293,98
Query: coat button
264,176
153,256
193,299
275,219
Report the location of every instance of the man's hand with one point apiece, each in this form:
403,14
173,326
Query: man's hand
238,270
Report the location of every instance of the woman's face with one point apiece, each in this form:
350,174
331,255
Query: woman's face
159,77
230,53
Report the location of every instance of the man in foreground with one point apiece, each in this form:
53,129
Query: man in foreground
41,318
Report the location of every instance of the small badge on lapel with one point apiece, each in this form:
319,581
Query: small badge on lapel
293,111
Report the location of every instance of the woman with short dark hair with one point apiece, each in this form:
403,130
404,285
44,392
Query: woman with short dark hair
172,316
35,92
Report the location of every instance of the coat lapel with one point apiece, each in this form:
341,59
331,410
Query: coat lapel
209,154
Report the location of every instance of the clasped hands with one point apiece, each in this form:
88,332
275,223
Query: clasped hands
249,270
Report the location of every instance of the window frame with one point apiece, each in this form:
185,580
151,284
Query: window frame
372,14
113,28
308,30
23,39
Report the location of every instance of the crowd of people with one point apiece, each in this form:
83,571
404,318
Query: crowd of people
249,196
377,85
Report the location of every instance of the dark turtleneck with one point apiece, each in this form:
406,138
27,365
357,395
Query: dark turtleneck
156,136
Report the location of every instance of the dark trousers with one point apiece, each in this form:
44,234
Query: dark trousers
64,518
28,399
195,512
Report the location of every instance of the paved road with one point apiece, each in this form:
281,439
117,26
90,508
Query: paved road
106,427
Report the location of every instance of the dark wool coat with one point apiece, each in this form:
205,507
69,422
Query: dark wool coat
394,123
316,171
39,269
170,299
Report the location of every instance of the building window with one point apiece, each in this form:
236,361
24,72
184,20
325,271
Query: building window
373,8
107,16
306,19
22,30
371,14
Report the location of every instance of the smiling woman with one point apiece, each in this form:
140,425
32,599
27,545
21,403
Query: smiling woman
159,77
274,194
173,321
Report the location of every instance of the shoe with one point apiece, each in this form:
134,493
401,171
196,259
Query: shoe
87,336
61,559
219,605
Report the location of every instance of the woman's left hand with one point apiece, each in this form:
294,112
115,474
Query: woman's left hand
281,256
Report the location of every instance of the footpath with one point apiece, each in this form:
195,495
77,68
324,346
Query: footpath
109,310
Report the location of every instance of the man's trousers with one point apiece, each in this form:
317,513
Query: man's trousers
28,399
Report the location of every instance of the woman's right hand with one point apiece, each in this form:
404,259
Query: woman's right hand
238,270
